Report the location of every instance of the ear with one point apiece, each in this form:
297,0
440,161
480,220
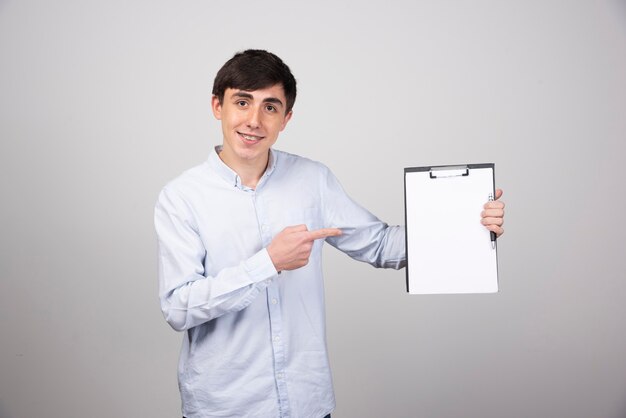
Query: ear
216,106
287,118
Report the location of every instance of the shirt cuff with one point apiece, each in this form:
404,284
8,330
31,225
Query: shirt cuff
260,266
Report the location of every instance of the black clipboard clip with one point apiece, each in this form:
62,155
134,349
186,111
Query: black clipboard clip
449,171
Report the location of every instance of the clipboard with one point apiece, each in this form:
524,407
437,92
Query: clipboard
448,249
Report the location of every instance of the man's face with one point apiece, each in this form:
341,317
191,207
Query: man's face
251,122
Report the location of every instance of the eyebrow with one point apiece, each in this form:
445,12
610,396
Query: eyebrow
245,95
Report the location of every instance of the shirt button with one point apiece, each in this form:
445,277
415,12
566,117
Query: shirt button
281,375
265,228
274,301
276,339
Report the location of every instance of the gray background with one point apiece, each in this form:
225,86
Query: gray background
101,103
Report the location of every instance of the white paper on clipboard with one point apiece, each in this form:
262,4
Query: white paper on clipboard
448,248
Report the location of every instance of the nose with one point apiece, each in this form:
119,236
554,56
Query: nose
254,118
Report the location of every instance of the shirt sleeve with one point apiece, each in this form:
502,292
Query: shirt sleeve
188,297
364,237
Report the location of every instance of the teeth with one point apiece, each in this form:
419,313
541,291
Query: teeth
251,138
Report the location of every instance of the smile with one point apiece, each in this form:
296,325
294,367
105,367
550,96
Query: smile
250,137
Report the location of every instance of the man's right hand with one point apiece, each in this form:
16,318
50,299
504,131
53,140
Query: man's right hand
291,248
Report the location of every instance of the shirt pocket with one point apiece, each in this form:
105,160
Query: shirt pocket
310,216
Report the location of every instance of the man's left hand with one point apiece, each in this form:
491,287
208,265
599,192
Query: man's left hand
493,214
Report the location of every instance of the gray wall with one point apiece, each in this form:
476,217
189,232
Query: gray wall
102,102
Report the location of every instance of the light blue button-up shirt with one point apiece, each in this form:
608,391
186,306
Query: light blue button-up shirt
255,343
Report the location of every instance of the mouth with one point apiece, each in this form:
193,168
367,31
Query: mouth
250,138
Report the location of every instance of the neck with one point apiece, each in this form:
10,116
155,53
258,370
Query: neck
249,171
250,176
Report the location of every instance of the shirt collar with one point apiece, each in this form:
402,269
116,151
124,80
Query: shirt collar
229,175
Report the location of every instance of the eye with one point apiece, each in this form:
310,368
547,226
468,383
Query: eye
270,108
242,103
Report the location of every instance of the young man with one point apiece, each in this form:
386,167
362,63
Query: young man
240,242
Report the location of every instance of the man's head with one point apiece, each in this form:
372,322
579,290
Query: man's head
255,69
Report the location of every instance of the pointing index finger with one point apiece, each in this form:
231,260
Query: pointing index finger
324,233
